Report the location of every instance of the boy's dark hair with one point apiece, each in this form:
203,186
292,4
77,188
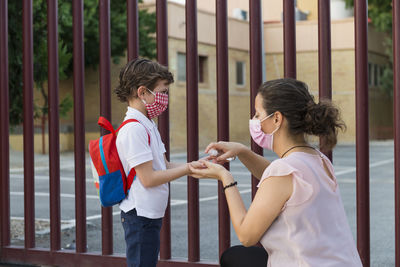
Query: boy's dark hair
292,98
140,72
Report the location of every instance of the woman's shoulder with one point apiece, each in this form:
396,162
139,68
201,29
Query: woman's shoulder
284,163
302,189
279,167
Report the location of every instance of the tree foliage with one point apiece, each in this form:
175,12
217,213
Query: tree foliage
147,27
380,13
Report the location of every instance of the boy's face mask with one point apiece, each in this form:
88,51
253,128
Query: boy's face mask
159,105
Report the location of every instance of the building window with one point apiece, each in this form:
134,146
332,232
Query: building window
240,73
181,67
240,14
203,68
381,72
370,74
244,14
376,75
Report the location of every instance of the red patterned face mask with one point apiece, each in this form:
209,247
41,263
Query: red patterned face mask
159,105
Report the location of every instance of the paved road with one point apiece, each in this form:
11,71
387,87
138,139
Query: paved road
381,201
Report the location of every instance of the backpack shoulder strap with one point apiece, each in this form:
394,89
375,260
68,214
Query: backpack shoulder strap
103,122
133,120
125,122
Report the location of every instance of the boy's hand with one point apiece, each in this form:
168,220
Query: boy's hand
195,164
206,169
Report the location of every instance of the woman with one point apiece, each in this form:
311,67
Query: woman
297,213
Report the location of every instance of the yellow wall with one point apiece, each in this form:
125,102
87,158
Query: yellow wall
342,81
66,141
239,105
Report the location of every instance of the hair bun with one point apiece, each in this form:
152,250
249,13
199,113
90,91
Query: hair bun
322,118
292,98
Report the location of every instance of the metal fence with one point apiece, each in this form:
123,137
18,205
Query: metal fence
29,253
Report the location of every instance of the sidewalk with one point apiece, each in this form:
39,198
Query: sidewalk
344,157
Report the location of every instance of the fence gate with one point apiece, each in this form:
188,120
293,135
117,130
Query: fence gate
31,254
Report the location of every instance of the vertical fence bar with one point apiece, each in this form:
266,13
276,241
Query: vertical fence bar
79,126
324,58
29,170
362,138
255,67
224,232
163,120
105,109
132,29
192,65
54,131
4,126
289,38
396,122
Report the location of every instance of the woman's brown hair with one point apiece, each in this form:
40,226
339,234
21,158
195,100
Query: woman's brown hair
292,98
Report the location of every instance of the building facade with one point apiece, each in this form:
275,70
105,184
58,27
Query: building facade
343,71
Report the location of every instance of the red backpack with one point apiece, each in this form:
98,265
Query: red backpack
108,173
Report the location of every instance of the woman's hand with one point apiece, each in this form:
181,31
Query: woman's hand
195,164
206,169
225,150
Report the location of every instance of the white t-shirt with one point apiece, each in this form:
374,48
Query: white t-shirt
134,149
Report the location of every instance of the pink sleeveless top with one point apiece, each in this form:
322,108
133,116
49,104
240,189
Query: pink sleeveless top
312,228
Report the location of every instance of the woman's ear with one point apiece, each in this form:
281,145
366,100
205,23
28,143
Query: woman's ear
278,117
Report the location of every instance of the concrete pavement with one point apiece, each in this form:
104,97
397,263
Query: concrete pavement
381,203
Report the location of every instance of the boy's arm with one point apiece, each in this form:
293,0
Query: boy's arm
150,178
171,165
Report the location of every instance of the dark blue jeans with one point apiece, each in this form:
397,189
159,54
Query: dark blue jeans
142,237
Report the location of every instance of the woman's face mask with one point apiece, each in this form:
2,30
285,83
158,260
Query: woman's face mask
262,139
159,105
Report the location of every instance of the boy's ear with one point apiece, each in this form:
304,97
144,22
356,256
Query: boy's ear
141,91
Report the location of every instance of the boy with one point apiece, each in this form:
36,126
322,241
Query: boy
143,85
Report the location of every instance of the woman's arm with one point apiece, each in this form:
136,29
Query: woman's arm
150,178
269,200
255,163
271,196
